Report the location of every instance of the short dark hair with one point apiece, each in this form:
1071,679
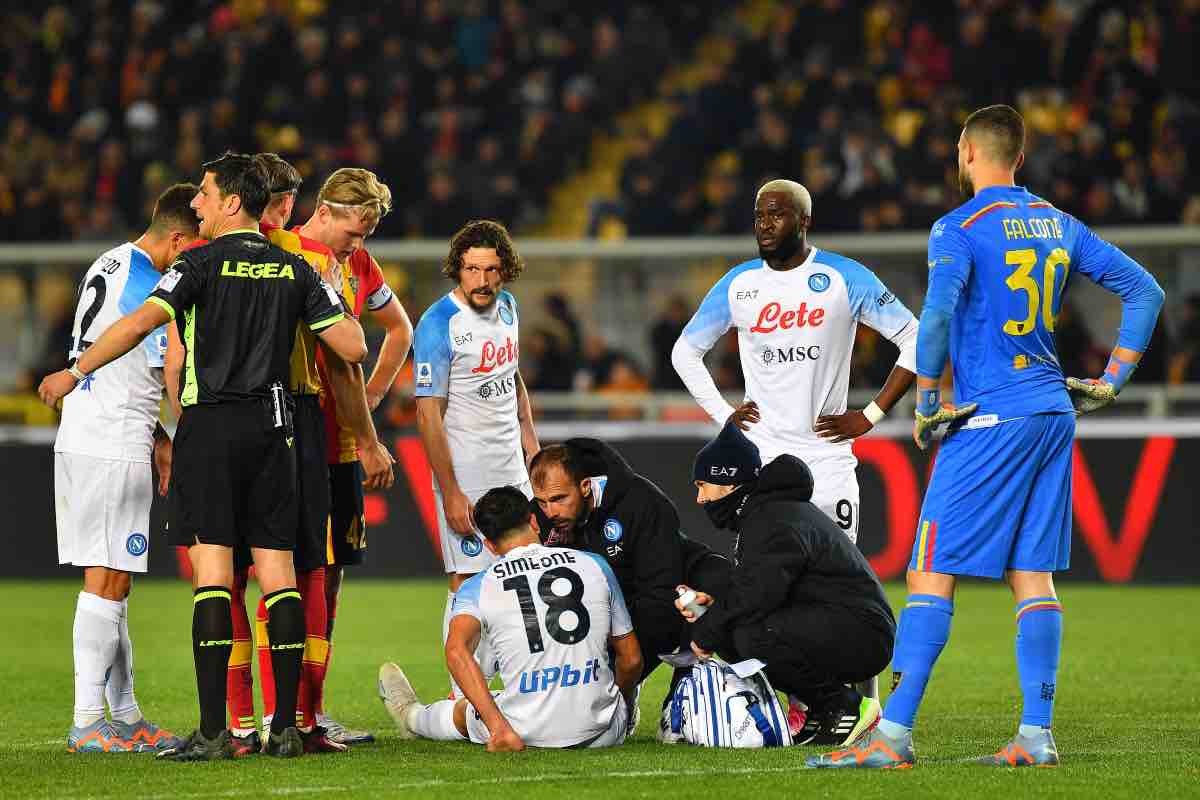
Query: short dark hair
500,512
556,455
281,176
243,175
1004,131
483,233
173,210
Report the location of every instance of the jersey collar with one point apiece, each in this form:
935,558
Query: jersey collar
801,267
241,230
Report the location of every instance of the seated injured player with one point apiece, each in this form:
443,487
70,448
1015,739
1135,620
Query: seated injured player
801,597
551,616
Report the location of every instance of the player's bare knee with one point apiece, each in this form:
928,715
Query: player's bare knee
111,584
460,716
457,579
274,568
935,583
1026,585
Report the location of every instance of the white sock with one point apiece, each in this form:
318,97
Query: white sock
122,705
435,722
455,692
893,730
96,638
1031,730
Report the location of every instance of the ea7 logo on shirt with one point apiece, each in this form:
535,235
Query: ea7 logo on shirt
818,281
772,317
492,356
749,294
722,472
424,377
790,355
613,530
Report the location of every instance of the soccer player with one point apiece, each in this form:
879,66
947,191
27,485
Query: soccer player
552,616
233,483
472,407
999,502
102,486
349,207
796,310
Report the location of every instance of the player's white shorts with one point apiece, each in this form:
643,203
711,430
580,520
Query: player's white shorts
613,735
102,509
465,555
835,492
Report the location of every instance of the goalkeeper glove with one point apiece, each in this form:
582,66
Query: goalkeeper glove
1094,394
931,415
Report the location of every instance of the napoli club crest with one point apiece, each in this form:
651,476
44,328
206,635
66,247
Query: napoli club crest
818,281
136,544
613,530
506,315
471,546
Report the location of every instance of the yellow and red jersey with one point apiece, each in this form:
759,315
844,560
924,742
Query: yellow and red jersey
362,286
305,376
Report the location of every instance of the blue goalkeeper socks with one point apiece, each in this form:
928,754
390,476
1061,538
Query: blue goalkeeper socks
1039,640
924,630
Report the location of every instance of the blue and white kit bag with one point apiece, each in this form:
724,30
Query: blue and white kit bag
723,705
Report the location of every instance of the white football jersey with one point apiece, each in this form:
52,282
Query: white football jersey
470,358
112,412
547,614
795,337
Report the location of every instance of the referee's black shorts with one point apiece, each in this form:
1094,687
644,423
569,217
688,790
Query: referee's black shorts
233,478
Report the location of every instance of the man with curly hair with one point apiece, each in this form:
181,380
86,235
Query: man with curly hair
472,406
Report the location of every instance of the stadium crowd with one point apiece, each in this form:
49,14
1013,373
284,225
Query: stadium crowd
468,108
867,116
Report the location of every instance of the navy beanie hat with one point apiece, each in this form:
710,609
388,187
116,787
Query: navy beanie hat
727,460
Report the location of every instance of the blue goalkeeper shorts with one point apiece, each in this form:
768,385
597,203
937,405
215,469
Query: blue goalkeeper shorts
999,499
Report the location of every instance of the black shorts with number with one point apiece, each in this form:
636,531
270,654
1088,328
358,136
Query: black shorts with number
347,523
313,489
233,478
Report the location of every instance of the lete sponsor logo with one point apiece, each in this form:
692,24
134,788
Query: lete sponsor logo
492,356
772,317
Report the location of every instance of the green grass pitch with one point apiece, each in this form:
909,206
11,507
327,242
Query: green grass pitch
1126,722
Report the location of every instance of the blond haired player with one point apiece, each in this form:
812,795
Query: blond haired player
349,206
308,385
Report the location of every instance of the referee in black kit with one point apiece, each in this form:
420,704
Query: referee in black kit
236,302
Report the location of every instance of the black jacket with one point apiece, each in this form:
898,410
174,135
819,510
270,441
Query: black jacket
636,528
788,553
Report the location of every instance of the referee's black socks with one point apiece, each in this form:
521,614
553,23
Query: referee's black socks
212,641
285,630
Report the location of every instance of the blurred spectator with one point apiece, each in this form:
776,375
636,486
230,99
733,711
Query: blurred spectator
624,377
665,331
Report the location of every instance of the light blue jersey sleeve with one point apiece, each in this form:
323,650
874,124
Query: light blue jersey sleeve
431,350
714,316
870,301
949,270
1106,265
466,599
619,621
142,279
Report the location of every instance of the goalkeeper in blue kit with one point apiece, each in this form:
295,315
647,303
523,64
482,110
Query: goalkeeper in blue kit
999,502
